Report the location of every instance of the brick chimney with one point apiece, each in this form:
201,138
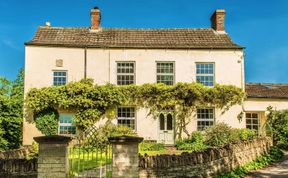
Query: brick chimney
95,18
217,20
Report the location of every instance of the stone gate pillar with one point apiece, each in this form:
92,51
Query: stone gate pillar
125,156
53,156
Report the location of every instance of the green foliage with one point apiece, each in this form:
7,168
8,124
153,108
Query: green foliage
246,134
47,121
218,135
91,102
278,122
99,138
221,134
151,146
11,112
194,143
33,152
262,161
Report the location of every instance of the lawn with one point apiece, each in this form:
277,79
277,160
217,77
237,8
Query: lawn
84,158
164,151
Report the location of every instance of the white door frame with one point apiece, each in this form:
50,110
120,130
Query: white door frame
169,135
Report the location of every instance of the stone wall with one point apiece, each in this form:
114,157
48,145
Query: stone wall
207,163
21,153
14,163
18,168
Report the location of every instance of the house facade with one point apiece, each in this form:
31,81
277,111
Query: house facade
58,55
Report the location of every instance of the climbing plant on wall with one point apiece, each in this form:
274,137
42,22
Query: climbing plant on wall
91,102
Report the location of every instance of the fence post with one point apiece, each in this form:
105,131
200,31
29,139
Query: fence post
53,156
125,156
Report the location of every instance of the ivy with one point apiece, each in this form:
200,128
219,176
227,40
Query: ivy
92,102
47,121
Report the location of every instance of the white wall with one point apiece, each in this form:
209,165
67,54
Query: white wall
101,66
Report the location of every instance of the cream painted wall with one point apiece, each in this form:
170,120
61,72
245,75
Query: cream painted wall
228,64
101,66
259,106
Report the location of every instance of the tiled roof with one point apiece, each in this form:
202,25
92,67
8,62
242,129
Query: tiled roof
177,38
258,90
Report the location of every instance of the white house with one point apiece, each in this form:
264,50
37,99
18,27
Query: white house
57,55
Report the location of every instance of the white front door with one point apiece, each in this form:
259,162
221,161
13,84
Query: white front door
166,129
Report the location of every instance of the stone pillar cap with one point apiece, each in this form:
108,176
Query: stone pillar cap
53,139
125,139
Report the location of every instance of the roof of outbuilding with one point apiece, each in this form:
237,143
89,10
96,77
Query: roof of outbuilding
178,38
260,90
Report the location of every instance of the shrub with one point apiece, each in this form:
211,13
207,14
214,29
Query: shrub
278,121
151,146
246,134
218,135
194,143
221,134
47,121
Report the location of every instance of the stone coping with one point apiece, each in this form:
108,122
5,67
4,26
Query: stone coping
125,139
53,139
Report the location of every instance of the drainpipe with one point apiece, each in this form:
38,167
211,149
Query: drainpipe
109,70
85,62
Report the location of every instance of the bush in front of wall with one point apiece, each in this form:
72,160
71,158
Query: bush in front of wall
194,143
221,134
218,135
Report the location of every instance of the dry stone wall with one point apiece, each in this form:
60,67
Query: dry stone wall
14,163
207,163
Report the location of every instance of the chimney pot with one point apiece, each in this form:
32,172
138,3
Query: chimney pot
217,20
47,24
95,15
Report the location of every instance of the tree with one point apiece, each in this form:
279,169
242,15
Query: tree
11,112
277,124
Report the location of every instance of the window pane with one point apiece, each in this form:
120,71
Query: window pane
162,122
252,121
66,124
169,122
125,73
205,118
165,73
59,78
126,116
205,73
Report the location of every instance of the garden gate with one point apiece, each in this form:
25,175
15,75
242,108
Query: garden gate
88,158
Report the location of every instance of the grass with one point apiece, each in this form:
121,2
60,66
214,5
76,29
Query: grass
165,151
81,159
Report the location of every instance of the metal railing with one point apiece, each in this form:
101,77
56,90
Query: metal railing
87,159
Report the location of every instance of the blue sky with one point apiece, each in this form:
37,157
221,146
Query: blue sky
260,26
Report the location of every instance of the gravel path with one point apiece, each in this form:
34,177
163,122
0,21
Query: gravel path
275,170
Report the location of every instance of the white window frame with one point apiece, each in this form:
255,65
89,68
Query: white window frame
127,118
165,74
206,74
252,124
66,124
205,119
126,74
66,76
